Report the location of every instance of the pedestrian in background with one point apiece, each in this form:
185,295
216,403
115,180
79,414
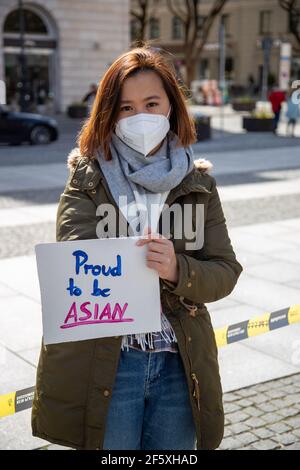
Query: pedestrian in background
276,97
251,85
90,96
292,113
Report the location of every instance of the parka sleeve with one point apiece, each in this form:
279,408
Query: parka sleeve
215,275
76,214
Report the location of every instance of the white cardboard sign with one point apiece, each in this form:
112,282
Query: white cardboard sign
96,288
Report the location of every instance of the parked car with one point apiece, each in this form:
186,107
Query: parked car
17,127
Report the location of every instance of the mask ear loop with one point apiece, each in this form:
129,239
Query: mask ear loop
169,112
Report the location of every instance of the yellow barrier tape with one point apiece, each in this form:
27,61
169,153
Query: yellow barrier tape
7,404
294,314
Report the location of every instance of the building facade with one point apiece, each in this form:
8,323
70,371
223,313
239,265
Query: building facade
247,22
68,45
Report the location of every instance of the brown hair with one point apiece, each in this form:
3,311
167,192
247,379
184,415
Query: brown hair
96,131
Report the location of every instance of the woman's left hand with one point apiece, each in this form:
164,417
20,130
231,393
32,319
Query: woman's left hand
161,256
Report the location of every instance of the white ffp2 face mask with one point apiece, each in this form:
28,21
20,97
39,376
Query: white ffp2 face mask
143,131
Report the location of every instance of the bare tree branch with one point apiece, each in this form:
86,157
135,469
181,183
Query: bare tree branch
292,7
195,32
287,4
177,11
142,14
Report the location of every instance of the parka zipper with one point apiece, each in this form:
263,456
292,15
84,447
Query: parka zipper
196,392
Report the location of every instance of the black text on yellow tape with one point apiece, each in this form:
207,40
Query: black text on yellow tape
16,401
257,326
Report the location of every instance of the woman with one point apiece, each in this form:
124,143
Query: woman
146,391
276,97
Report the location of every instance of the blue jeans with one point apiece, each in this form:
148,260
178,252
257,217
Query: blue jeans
150,407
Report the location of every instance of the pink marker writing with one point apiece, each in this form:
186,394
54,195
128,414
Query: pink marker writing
86,314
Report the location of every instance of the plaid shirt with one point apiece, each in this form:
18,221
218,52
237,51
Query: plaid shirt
159,344
156,341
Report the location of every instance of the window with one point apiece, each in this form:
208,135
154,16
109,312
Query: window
229,68
134,29
226,21
294,21
204,68
201,20
265,22
33,24
154,28
177,28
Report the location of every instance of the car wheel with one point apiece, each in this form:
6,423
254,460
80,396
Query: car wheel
40,135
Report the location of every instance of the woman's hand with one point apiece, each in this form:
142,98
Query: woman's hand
161,256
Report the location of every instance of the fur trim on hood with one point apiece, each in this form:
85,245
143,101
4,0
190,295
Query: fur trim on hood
73,158
201,164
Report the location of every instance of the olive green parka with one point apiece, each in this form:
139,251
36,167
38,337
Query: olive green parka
75,380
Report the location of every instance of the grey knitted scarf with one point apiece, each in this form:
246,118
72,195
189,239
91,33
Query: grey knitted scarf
134,175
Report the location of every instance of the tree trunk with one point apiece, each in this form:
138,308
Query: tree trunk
190,70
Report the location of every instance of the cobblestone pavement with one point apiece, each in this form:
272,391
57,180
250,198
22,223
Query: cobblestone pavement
20,240
264,416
